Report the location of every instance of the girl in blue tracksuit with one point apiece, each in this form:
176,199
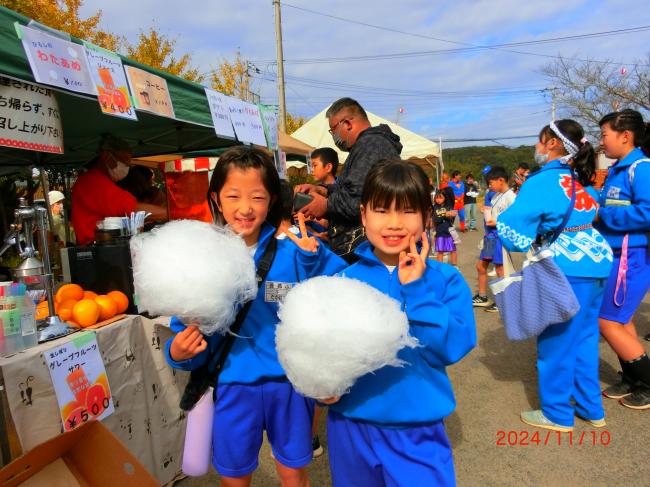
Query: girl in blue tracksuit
253,393
388,429
624,220
567,353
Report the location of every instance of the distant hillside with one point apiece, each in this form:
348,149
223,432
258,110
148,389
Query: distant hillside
474,159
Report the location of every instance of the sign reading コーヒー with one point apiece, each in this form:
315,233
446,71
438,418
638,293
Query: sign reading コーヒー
150,92
29,117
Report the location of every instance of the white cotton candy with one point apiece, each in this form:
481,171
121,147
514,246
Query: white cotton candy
334,330
194,271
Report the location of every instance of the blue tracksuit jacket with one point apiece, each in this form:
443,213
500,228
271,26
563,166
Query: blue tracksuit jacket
439,309
253,356
625,202
540,207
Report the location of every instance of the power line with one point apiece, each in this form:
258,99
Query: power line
467,46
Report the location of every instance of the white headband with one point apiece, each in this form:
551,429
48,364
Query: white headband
570,147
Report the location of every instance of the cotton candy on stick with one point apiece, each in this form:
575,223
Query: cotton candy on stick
194,271
334,330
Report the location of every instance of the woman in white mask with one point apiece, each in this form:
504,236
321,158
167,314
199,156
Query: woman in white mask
95,195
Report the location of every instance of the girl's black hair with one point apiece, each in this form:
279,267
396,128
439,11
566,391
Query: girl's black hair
403,182
631,120
243,157
584,162
447,200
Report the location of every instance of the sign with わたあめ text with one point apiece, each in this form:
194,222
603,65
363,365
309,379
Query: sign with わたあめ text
29,117
56,62
150,92
79,380
110,82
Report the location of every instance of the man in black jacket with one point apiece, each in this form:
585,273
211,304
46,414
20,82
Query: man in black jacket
339,203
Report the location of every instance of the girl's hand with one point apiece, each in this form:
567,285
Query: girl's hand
412,265
187,344
330,400
305,242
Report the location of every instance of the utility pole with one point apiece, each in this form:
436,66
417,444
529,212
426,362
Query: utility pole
278,44
553,91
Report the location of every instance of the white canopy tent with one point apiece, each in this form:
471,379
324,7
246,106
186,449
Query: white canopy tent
316,133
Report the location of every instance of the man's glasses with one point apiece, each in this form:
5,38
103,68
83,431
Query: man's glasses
332,129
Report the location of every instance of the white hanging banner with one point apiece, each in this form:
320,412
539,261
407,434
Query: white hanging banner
219,109
57,62
246,121
29,117
110,81
270,118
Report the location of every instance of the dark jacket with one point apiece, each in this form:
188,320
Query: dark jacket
344,197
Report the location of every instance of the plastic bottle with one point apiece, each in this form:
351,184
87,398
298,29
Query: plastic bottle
198,436
28,323
12,340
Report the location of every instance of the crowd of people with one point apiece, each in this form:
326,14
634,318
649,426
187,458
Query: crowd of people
373,220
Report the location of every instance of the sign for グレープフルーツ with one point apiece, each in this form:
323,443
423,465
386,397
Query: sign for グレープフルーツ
220,112
150,92
79,380
55,61
110,82
29,117
246,121
270,119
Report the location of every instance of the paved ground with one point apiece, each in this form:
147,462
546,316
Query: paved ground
493,384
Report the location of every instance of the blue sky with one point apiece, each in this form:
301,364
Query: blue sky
478,94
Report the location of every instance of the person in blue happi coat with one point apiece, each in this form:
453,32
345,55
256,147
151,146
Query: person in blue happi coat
624,220
567,353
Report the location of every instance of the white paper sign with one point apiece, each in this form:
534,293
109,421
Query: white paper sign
110,82
57,62
246,121
79,380
29,117
219,109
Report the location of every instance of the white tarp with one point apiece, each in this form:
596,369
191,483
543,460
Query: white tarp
316,133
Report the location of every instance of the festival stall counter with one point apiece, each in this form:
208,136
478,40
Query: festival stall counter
144,395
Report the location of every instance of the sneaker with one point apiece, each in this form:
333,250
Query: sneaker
492,273
536,418
639,399
492,309
316,447
618,391
596,423
480,301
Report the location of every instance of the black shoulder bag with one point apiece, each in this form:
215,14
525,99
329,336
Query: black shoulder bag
208,374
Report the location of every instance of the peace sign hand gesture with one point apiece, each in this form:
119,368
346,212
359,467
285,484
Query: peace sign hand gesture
412,265
305,242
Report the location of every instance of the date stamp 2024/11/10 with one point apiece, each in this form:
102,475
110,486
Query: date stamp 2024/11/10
548,438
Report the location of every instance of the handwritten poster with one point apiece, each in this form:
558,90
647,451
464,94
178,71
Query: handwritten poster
270,118
110,82
29,117
220,113
57,62
79,380
150,92
246,121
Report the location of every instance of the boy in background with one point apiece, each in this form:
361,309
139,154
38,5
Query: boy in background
471,193
491,252
324,164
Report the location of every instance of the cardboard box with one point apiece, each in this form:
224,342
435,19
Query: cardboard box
89,456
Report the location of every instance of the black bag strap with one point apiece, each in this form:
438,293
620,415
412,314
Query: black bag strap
217,361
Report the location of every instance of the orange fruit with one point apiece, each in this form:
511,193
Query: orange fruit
85,312
42,311
107,307
90,295
69,291
64,310
65,314
120,298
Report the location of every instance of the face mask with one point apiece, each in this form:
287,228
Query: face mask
541,159
118,172
340,143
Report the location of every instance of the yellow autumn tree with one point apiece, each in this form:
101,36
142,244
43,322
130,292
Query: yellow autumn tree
294,123
63,15
232,78
158,51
